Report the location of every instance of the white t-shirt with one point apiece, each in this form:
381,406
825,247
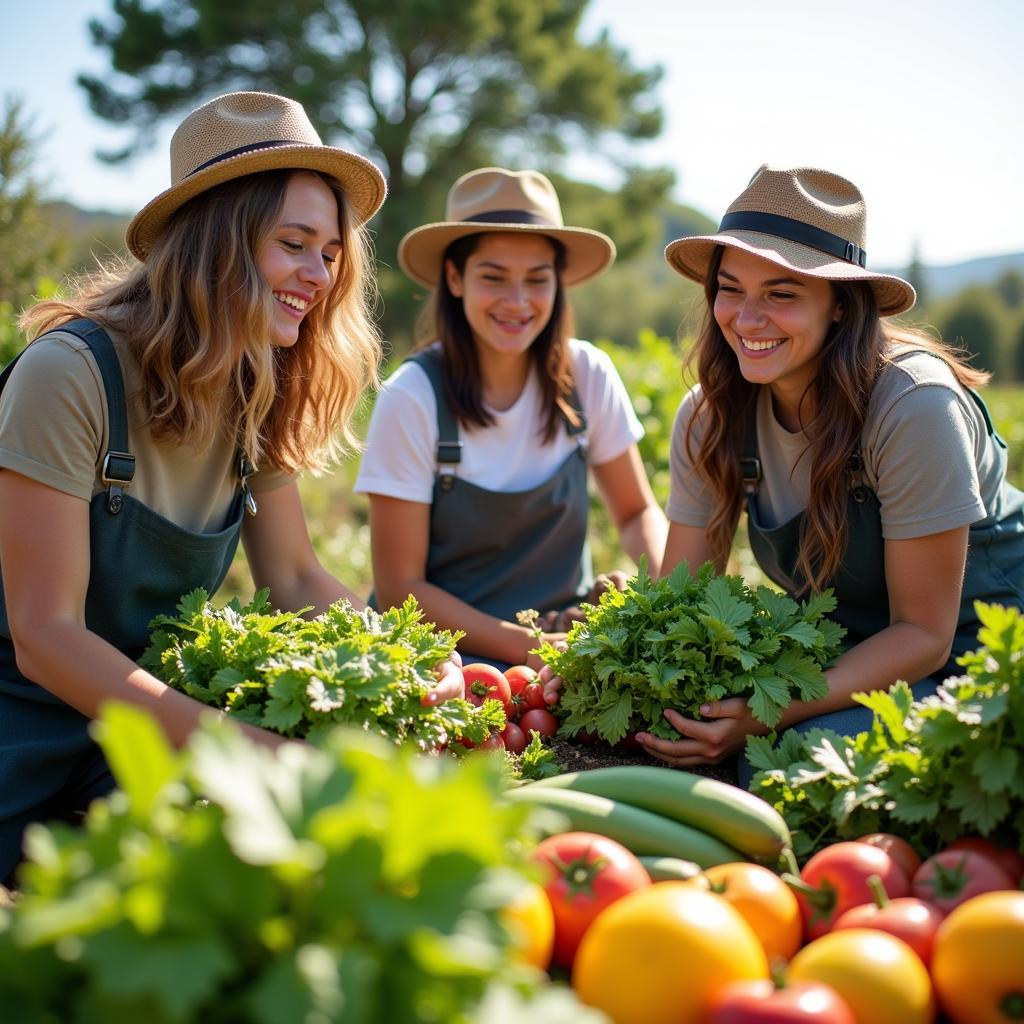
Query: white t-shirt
400,460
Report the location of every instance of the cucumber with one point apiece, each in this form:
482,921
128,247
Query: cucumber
736,817
670,869
642,832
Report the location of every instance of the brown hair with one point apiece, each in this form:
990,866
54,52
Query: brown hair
854,353
196,316
444,319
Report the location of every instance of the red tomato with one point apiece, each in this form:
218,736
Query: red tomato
533,696
760,1002
493,742
540,721
1011,861
583,873
485,681
514,737
836,878
910,919
899,849
952,877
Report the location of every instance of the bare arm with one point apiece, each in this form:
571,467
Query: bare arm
626,493
44,551
687,544
399,532
281,555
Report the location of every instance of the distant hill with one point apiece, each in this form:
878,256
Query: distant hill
951,278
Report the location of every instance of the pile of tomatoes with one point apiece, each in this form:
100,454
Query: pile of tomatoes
522,696
867,933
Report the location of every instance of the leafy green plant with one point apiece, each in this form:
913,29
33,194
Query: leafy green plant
683,640
302,677
353,883
926,770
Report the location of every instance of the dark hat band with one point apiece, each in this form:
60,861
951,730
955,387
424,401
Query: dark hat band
269,144
795,231
508,217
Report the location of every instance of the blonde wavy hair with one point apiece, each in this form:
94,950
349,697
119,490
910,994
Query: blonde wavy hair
197,317
860,344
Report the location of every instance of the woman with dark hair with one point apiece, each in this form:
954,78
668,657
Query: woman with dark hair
162,412
477,455
860,450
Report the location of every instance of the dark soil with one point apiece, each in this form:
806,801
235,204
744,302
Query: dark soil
574,756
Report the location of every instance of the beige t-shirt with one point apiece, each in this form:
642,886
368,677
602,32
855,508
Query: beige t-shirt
926,451
53,429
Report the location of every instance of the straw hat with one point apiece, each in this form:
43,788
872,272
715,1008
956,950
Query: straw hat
242,133
802,218
493,199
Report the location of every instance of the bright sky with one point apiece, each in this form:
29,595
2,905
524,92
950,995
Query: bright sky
917,101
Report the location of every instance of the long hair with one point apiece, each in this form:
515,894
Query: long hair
444,319
197,317
855,350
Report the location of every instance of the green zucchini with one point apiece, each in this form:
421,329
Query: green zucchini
736,817
670,869
642,832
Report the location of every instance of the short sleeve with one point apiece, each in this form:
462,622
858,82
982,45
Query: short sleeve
612,423
690,500
923,457
53,416
399,458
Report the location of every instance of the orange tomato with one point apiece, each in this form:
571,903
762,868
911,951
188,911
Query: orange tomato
978,960
879,976
530,922
766,903
660,955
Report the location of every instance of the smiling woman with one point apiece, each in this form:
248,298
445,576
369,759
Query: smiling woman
478,452
860,450
151,411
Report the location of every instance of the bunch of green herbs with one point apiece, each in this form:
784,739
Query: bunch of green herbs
680,641
301,677
350,884
929,770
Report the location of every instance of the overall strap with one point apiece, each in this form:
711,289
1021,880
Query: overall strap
750,462
449,447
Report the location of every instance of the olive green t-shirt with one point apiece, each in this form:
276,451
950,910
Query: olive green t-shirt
926,451
54,428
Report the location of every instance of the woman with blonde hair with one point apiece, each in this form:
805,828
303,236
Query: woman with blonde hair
162,412
859,449
481,444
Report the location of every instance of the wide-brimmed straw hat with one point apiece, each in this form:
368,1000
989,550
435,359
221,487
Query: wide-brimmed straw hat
493,199
808,220
242,133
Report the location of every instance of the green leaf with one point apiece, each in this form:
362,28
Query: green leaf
141,759
996,768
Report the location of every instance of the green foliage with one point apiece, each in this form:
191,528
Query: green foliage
357,883
683,640
926,770
975,321
30,247
302,677
427,89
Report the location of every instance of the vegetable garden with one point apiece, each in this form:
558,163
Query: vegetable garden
417,862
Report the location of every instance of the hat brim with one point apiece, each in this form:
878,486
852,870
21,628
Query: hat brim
692,256
587,253
362,182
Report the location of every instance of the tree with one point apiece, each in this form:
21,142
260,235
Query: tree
917,275
427,88
973,321
1010,288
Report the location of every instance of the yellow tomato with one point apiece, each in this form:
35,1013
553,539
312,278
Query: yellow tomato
978,962
659,955
879,976
531,924
767,904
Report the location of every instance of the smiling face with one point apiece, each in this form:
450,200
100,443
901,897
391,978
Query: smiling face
775,321
508,287
298,259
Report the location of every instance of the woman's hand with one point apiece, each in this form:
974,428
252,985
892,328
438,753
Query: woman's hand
449,682
723,731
